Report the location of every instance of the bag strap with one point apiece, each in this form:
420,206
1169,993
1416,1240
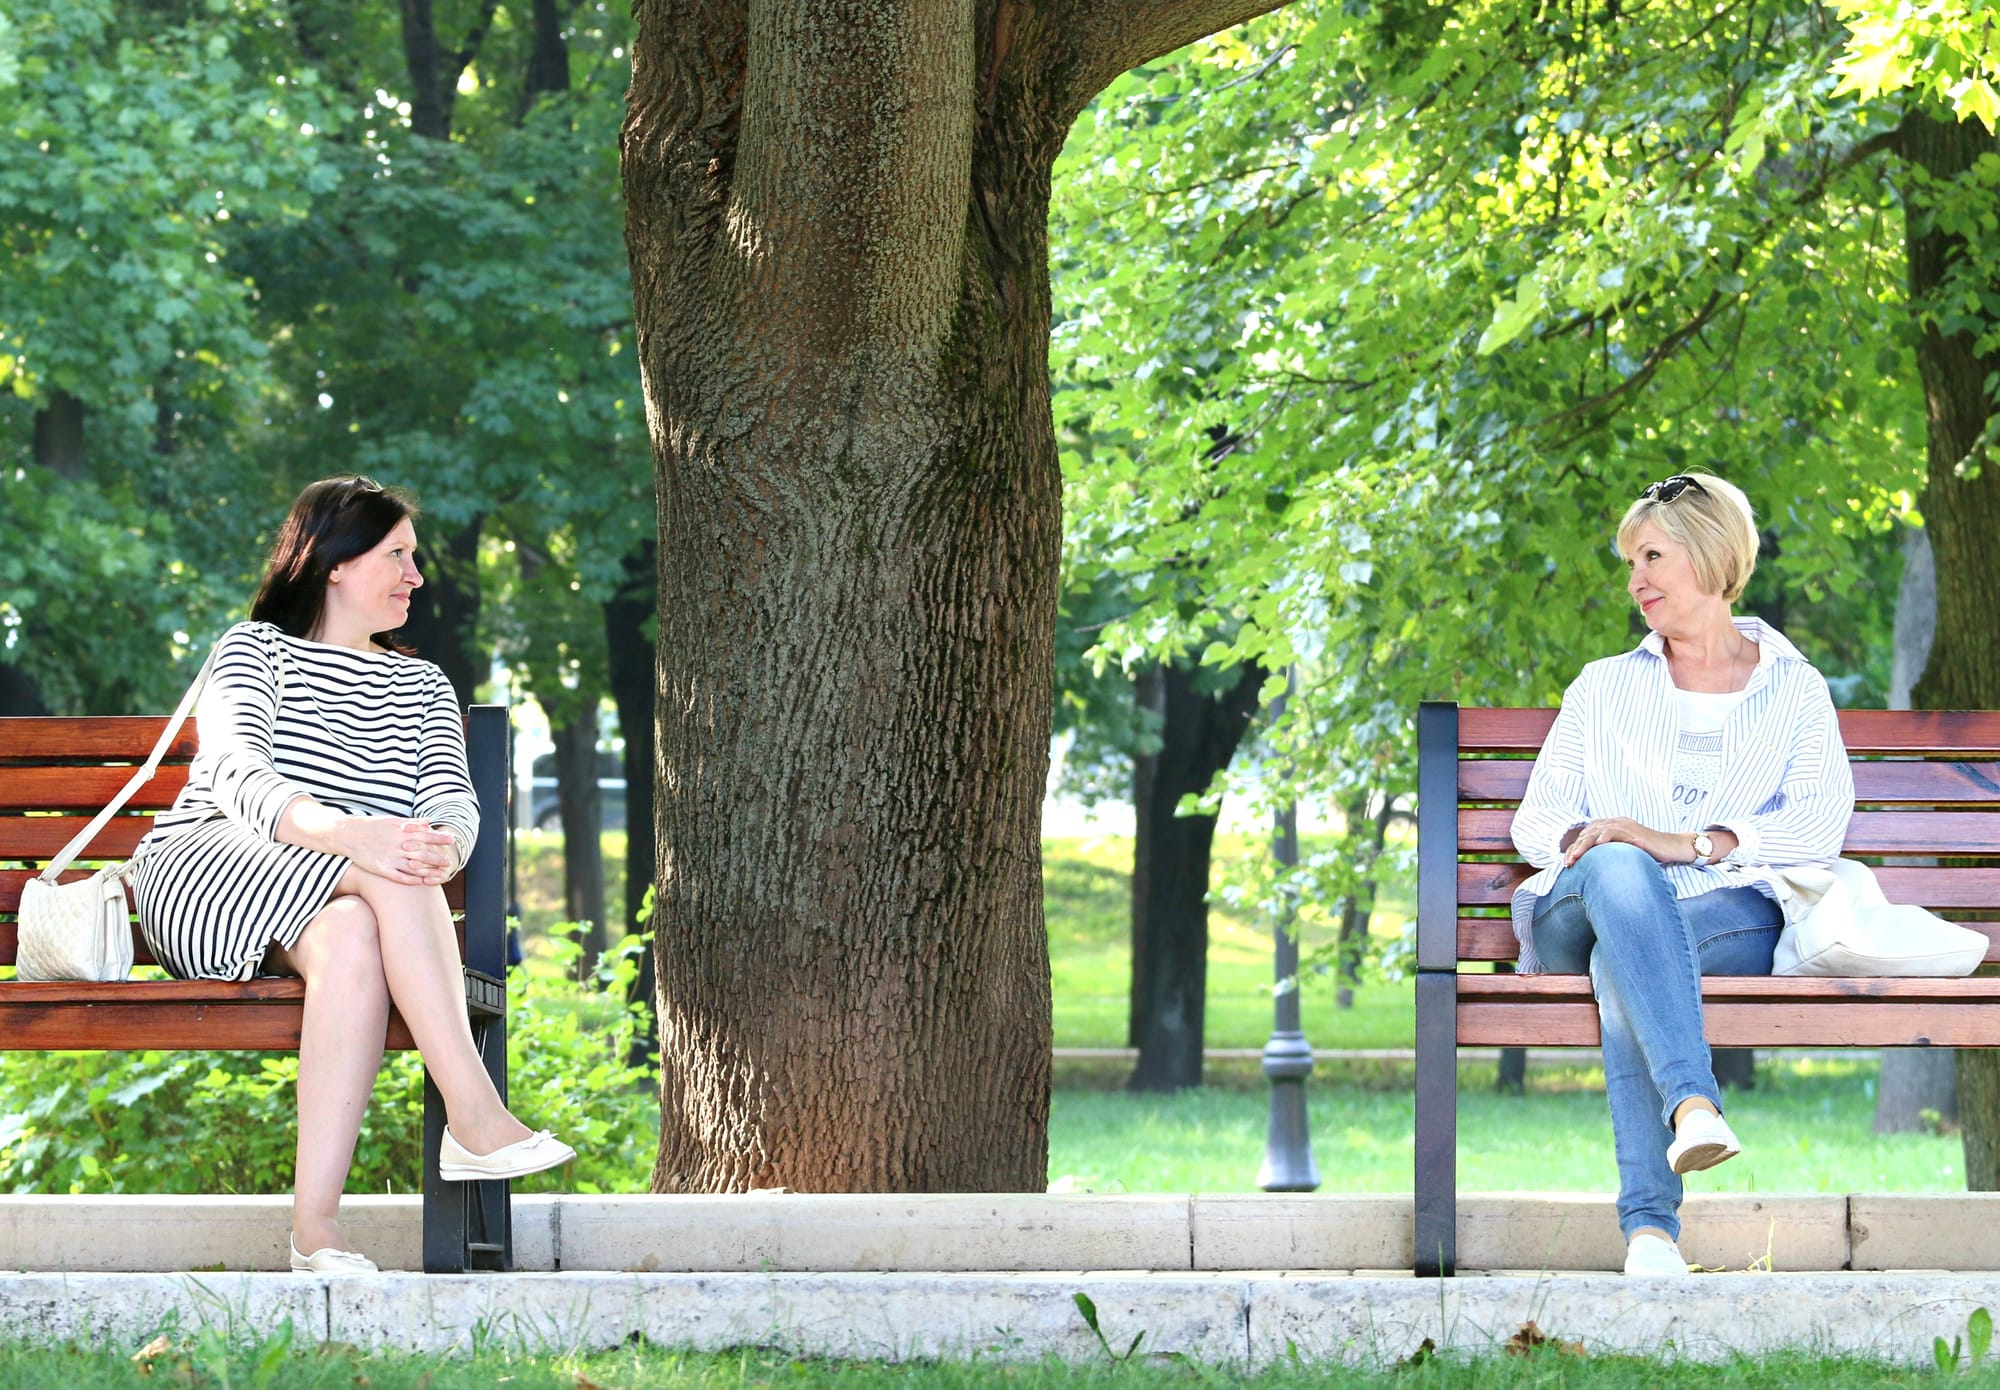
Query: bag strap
139,779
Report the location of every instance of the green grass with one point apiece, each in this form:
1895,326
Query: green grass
1086,897
1086,887
209,1360
1805,1128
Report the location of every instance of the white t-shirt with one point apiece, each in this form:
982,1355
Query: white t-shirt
1698,757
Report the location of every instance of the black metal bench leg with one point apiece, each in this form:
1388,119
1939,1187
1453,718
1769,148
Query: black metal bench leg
1436,1225
467,1225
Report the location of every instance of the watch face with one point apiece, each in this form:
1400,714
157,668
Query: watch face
1703,846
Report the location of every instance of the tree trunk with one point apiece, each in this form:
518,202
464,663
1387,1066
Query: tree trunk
1735,1068
1914,1080
1199,734
628,622
444,614
19,692
838,224
548,56
1357,909
581,806
59,435
433,69
1961,507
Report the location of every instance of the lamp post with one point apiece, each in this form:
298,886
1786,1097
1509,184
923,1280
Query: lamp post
1288,1060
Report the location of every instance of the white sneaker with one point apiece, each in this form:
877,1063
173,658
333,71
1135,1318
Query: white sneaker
1701,1140
1654,1257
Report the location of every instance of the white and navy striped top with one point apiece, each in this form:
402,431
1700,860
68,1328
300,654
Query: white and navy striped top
1784,787
368,733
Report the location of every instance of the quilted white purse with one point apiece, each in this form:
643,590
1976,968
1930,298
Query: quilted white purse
81,930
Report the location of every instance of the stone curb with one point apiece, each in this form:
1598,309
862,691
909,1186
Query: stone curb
999,1233
1252,1320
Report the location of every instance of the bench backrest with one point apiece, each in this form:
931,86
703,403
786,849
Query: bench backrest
56,773
1926,787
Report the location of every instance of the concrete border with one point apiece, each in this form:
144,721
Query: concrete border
1251,1320
1000,1233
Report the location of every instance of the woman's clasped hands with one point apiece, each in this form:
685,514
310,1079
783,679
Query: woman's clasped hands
402,851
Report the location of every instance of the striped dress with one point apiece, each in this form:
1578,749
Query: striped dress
369,733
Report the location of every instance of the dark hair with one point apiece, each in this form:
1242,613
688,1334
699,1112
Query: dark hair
335,520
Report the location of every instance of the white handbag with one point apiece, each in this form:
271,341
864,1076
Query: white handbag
82,930
1838,922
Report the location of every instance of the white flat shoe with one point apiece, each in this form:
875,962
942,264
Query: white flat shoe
537,1153
1702,1140
1651,1256
328,1260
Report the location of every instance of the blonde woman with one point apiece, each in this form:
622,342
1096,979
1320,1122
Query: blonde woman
1676,777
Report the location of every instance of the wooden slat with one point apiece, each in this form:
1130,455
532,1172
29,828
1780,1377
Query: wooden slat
1868,832
1974,888
104,736
1969,732
1918,783
12,879
39,837
1740,988
258,1015
10,896
10,942
1854,1024
1492,938
87,789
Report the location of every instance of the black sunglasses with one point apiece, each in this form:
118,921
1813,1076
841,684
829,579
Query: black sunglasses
1667,489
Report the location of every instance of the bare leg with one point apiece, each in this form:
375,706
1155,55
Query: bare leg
340,1051
419,960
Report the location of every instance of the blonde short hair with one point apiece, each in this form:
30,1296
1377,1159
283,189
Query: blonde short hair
1713,520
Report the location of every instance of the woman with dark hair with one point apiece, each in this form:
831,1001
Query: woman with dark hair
326,806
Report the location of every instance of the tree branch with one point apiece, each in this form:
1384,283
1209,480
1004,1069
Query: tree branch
1107,37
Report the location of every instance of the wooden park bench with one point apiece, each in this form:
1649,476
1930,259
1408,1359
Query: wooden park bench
56,773
1927,788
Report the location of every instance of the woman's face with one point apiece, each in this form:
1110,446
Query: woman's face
1662,582
371,592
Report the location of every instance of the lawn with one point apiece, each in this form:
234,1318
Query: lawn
271,1364
1086,899
1807,1127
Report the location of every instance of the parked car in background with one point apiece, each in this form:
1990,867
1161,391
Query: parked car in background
544,813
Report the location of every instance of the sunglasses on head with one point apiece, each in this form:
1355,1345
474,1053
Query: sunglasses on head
1667,489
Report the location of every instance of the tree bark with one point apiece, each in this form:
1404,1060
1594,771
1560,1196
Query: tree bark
838,222
1914,1080
1199,734
628,621
1961,507
580,804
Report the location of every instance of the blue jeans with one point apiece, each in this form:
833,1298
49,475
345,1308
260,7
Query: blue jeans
1613,915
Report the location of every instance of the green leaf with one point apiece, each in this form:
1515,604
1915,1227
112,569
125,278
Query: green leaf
1511,317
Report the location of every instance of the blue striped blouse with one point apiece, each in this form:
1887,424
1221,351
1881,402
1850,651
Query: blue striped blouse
1785,791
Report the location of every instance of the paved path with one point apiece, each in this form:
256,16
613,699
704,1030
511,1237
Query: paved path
1254,1319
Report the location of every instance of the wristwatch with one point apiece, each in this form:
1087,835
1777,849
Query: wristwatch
1704,848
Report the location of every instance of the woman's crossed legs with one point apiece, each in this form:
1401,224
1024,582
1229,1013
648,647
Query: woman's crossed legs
376,943
1613,915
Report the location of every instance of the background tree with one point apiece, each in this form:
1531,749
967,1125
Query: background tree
1465,278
